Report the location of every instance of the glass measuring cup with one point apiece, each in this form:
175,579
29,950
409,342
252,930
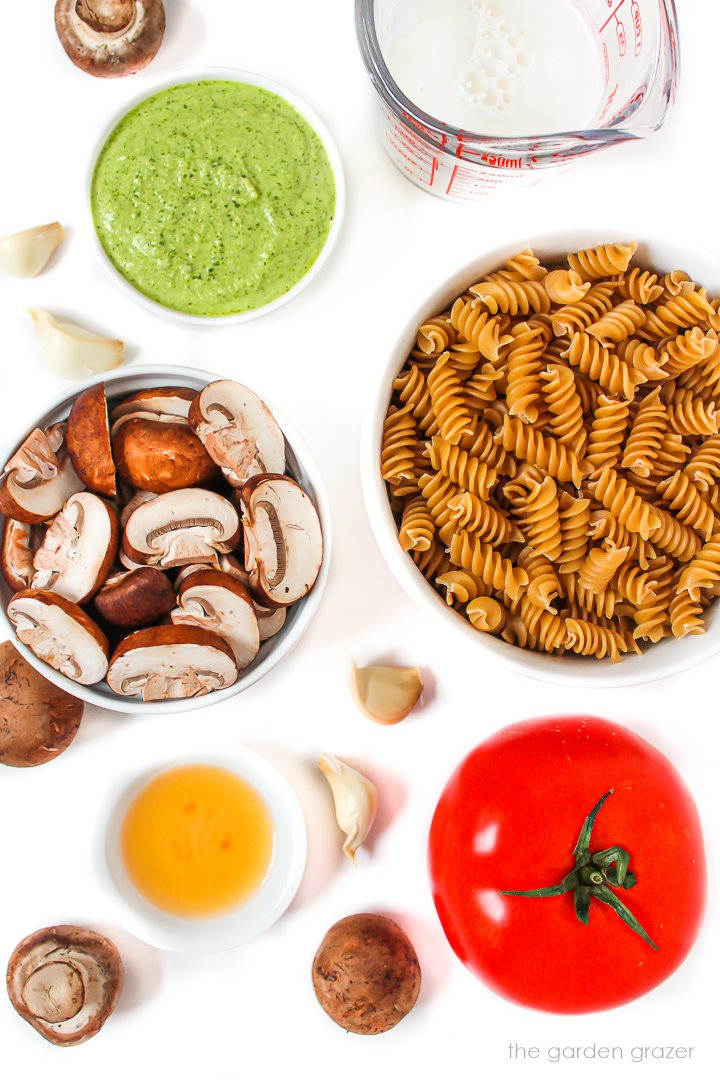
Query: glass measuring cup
637,41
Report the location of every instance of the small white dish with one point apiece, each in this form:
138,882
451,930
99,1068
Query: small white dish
129,380
247,920
233,75
668,657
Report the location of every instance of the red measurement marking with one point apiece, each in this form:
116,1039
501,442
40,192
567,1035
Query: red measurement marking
434,170
622,42
637,26
611,15
452,177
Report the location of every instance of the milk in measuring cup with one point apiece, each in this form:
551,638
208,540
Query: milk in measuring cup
500,67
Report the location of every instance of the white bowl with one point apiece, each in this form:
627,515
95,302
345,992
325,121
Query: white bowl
247,920
129,380
666,658
233,75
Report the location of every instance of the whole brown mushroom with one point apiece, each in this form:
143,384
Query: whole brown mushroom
366,974
109,38
65,981
37,720
156,456
134,598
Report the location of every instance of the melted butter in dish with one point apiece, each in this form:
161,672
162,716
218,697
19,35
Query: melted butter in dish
213,197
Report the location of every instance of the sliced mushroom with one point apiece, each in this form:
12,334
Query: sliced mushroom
170,403
270,620
65,981
160,454
20,541
110,38
37,719
171,662
283,539
133,598
79,548
136,500
26,253
215,601
59,632
185,526
88,441
39,477
238,430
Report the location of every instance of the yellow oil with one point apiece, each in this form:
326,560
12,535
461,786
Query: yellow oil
197,840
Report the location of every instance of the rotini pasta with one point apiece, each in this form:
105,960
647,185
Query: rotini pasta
552,454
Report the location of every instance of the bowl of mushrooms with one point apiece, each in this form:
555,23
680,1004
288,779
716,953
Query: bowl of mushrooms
164,540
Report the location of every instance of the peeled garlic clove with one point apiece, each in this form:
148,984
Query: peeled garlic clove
25,254
355,799
71,351
386,694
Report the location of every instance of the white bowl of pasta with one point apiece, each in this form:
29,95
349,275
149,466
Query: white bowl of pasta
541,459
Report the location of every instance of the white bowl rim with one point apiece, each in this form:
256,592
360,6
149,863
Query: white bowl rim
668,657
285,640
237,926
233,75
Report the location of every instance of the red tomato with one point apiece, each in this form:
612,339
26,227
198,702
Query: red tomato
509,819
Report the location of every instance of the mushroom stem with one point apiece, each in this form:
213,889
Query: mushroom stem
106,16
54,992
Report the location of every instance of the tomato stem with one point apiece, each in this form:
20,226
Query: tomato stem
594,875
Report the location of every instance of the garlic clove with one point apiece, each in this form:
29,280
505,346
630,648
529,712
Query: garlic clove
355,799
386,694
71,351
26,253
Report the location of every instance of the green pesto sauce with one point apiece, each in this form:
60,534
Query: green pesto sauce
213,198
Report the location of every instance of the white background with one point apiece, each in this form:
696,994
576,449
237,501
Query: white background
252,1011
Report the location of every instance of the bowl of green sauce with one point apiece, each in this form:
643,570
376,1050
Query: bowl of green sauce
216,197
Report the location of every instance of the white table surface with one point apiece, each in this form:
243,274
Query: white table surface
252,1012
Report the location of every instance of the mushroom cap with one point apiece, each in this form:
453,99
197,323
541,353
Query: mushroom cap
88,441
19,543
171,662
110,38
159,454
37,720
39,477
215,601
366,974
133,598
65,981
180,527
78,549
238,430
59,632
283,539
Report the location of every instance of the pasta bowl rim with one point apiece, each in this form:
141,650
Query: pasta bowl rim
275,649
668,657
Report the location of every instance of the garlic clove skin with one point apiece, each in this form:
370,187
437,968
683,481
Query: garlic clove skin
26,253
386,694
355,799
72,352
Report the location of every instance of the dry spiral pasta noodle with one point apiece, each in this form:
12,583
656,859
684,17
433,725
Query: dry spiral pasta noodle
552,454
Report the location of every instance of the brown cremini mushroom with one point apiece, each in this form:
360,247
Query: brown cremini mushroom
171,662
133,598
366,974
39,477
37,720
186,526
19,543
238,430
88,441
79,548
159,455
283,539
110,38
215,601
59,632
65,981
